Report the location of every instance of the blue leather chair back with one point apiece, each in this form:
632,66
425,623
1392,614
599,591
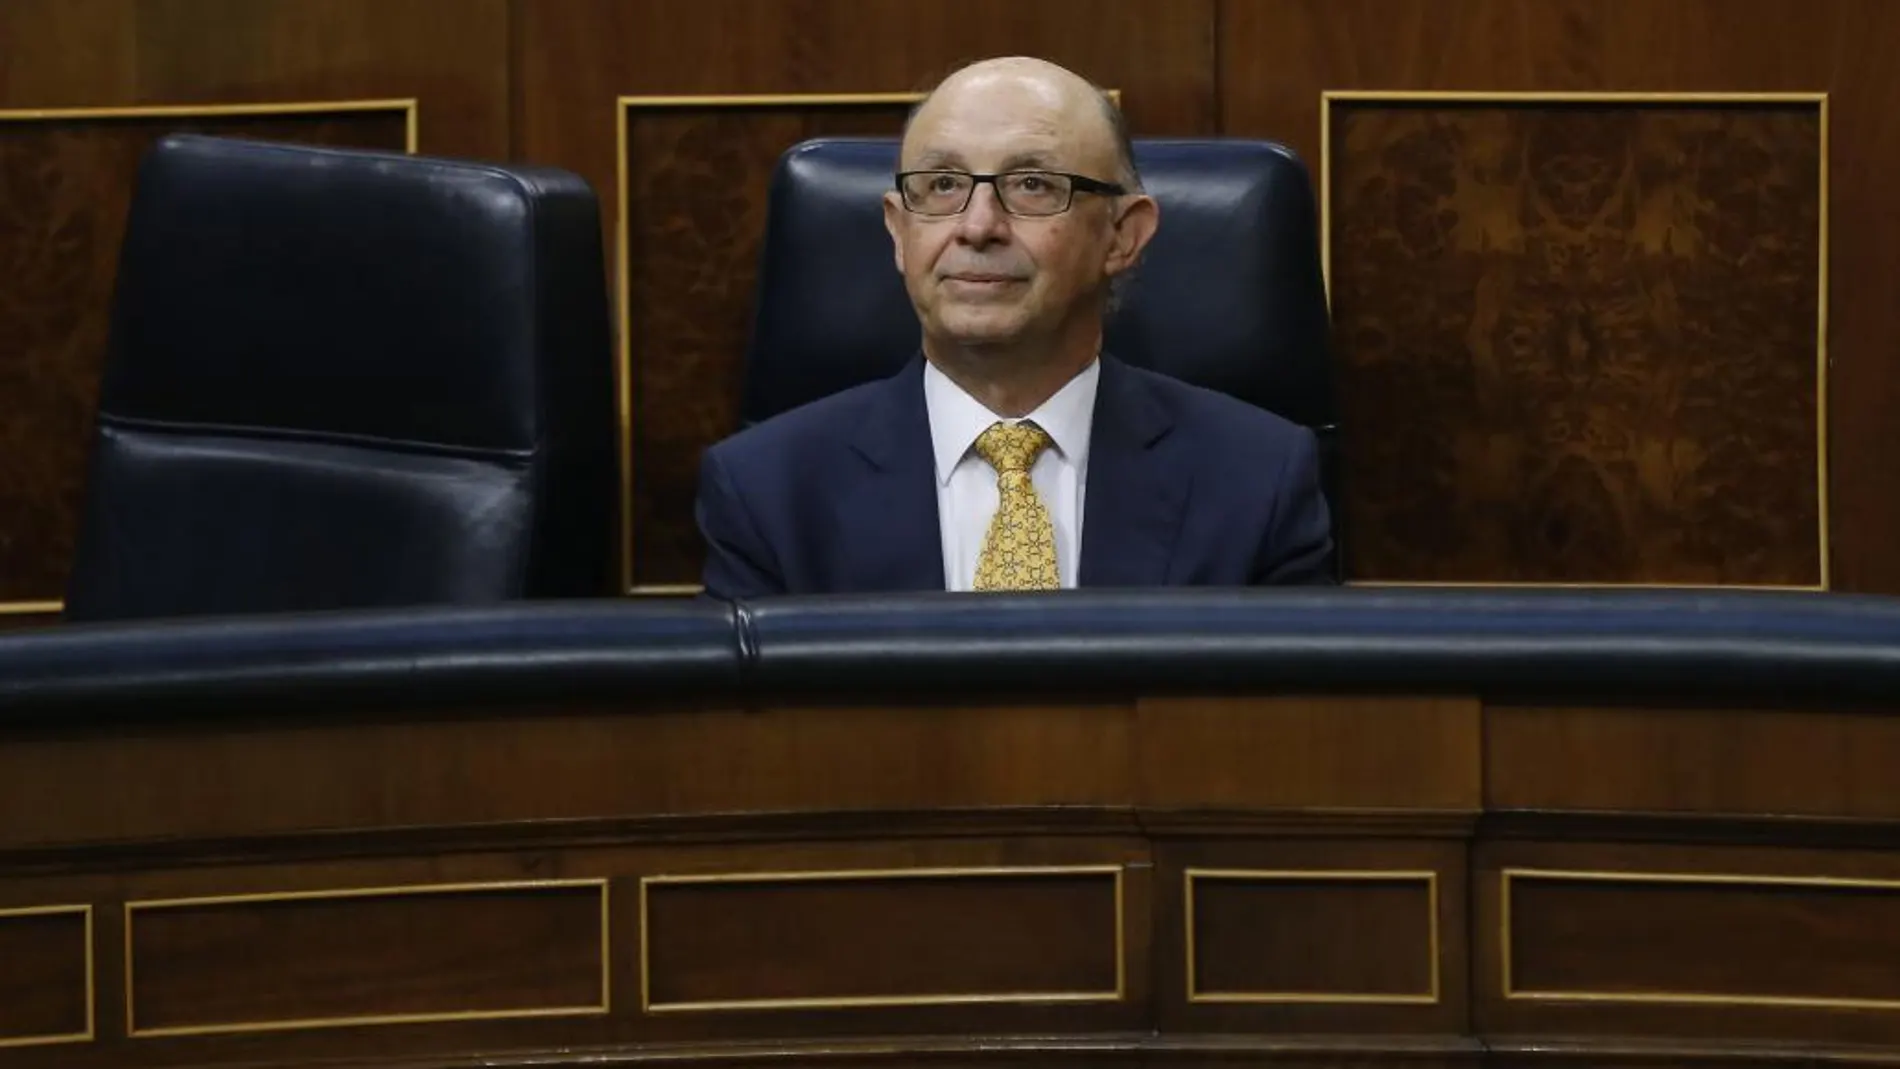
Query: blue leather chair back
347,379
1229,295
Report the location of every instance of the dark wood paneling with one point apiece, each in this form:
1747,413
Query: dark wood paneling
1279,953
1738,761
1684,938
1605,950
45,979
1650,46
1255,753
700,177
301,962
213,782
453,55
918,939
1578,342
65,185
1283,936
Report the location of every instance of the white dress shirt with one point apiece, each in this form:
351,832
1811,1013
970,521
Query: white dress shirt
966,484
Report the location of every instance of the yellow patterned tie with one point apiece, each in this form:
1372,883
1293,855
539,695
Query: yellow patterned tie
1020,551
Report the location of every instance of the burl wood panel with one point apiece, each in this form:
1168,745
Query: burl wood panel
917,938
1578,342
1767,940
697,180
1653,46
1290,937
265,963
65,186
45,981
1789,762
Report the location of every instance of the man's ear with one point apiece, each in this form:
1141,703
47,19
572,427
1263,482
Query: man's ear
893,212
1139,216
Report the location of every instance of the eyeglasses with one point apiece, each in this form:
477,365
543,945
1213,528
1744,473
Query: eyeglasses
1030,193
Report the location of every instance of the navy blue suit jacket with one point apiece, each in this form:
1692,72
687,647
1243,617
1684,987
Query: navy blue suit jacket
1185,487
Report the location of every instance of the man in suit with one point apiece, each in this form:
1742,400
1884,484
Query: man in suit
1013,453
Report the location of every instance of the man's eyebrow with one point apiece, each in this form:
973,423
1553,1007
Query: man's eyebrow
1029,160
935,158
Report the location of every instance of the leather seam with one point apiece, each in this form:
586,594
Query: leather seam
299,435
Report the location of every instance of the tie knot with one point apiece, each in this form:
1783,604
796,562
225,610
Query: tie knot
1012,447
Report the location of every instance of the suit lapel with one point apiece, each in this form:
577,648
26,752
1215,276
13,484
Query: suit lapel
889,511
1135,502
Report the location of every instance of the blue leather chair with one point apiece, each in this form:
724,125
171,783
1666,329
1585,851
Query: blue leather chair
342,379
1229,295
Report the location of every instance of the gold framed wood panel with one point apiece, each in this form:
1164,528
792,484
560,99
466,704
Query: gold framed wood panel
1819,100
625,106
92,996
1425,876
409,107
1680,998
647,1005
133,908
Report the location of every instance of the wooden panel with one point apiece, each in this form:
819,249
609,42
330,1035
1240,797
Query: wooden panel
1789,762
65,185
1735,939
1723,944
693,207
374,956
1579,342
213,782
1290,931
46,992
1314,936
699,176
1665,46
826,941
453,55
1267,752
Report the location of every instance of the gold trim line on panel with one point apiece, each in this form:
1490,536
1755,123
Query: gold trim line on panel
1820,101
623,348
92,993
600,884
1426,876
408,106
647,1005
1679,998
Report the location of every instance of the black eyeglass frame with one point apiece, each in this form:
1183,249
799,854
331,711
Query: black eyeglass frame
1078,183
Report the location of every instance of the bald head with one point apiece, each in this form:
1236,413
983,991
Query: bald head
1047,99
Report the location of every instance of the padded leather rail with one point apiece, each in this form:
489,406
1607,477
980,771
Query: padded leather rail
1740,646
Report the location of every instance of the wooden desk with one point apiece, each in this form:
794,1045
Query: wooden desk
889,878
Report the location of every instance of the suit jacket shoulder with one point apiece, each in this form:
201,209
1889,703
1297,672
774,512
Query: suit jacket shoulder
1254,512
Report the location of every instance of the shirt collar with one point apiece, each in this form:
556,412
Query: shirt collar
956,418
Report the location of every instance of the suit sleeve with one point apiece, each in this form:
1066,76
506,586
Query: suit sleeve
1298,548
739,562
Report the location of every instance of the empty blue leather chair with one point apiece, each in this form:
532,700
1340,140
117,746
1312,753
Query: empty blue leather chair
344,379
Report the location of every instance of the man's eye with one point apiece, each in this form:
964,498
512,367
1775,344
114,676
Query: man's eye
1032,183
943,183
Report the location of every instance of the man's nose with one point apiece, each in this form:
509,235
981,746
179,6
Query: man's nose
983,220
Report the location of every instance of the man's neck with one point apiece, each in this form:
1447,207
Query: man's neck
1010,384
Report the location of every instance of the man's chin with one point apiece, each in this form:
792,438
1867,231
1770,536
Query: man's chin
981,326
